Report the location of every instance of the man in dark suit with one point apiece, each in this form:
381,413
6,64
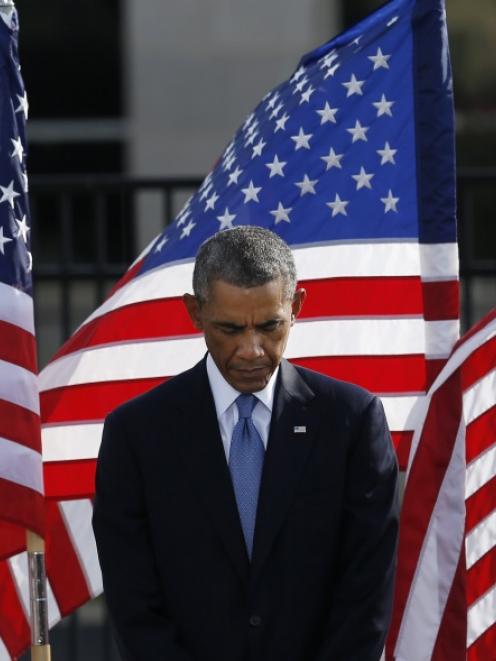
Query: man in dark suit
246,510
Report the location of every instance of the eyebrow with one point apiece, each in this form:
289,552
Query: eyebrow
236,327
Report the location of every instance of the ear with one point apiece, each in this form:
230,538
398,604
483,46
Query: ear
194,310
297,303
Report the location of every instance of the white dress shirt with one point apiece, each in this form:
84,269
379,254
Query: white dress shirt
227,412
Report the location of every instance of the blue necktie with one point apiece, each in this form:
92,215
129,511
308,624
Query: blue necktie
246,458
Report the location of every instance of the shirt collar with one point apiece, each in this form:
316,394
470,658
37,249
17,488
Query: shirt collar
225,395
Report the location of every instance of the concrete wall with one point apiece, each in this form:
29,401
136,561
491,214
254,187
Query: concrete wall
194,69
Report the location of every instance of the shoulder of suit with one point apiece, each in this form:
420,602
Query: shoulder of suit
324,385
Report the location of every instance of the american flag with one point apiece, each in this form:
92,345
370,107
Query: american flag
445,605
351,161
21,474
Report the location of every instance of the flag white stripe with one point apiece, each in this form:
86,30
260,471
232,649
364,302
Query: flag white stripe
19,567
480,471
20,464
70,442
82,441
16,308
339,337
77,517
354,260
437,563
480,397
481,616
481,539
439,261
4,654
19,386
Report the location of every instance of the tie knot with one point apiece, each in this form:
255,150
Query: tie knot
246,404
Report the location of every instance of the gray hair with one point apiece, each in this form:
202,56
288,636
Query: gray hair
245,256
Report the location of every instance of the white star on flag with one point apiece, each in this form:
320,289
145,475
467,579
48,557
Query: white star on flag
281,123
302,140
358,132
257,149
327,114
300,85
161,243
305,97
186,231
328,60
251,192
3,240
353,86
383,107
211,201
234,176
338,206
332,160
362,179
272,101
387,154
23,104
9,194
276,110
226,220
380,60
390,202
281,213
297,74
18,148
331,71
306,185
276,167
23,228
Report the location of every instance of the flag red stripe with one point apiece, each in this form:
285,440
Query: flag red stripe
70,479
93,401
433,366
480,504
483,648
20,425
63,566
14,627
90,401
402,441
441,300
428,468
22,506
481,434
451,639
379,374
18,346
475,329
333,297
479,364
481,576
12,539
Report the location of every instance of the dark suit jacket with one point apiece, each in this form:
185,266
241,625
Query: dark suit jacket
177,579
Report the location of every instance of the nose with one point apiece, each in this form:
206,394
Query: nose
250,347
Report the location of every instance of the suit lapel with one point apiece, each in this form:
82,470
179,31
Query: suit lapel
290,440
205,459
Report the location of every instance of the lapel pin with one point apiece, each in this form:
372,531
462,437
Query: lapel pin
300,429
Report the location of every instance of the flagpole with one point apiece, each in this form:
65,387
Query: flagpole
40,648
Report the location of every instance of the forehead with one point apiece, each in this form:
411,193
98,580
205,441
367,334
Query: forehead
224,297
